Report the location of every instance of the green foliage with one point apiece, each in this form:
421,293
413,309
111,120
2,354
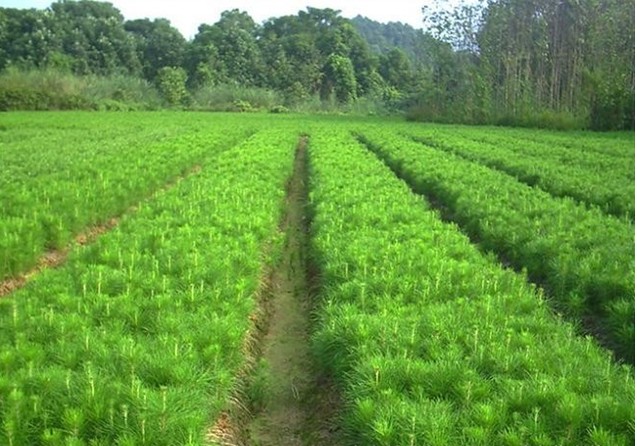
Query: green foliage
227,51
82,153
28,38
613,110
546,119
429,341
24,99
139,337
277,109
241,106
92,33
232,98
131,92
171,83
395,68
533,64
382,38
593,178
150,354
45,83
58,90
158,45
339,78
568,247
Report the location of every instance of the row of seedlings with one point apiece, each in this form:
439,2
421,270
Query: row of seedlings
432,342
138,338
612,144
583,256
56,187
577,153
561,176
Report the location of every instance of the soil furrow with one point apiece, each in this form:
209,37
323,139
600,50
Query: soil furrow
296,405
55,258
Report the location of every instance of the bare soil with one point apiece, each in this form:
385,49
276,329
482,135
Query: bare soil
297,404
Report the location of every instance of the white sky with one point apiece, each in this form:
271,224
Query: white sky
187,15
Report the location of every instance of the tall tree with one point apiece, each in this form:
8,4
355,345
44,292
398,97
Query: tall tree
289,43
158,45
572,57
395,68
339,78
29,38
93,35
610,64
303,50
232,44
201,59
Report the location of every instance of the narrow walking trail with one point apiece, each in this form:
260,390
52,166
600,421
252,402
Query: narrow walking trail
297,405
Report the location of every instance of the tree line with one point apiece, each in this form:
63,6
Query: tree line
529,62
527,58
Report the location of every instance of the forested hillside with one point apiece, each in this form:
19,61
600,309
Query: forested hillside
384,37
536,63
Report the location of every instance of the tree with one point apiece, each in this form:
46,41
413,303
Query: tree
201,59
338,77
93,34
28,38
288,43
395,68
158,45
298,53
525,58
609,73
229,48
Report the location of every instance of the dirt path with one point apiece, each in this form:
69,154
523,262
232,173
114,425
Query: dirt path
297,404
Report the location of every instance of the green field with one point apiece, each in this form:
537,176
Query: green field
468,285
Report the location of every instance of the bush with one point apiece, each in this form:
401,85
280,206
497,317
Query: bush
545,119
59,90
279,109
27,99
133,92
613,110
235,98
241,106
113,105
171,83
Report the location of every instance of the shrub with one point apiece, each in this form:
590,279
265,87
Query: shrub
171,83
279,109
235,98
241,106
613,110
28,99
59,90
134,92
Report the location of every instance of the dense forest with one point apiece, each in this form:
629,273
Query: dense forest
516,62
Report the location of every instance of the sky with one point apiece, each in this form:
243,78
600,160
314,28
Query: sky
187,15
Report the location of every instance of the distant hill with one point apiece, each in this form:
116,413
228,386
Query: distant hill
382,37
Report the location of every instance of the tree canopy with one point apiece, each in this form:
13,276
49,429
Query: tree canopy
497,61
